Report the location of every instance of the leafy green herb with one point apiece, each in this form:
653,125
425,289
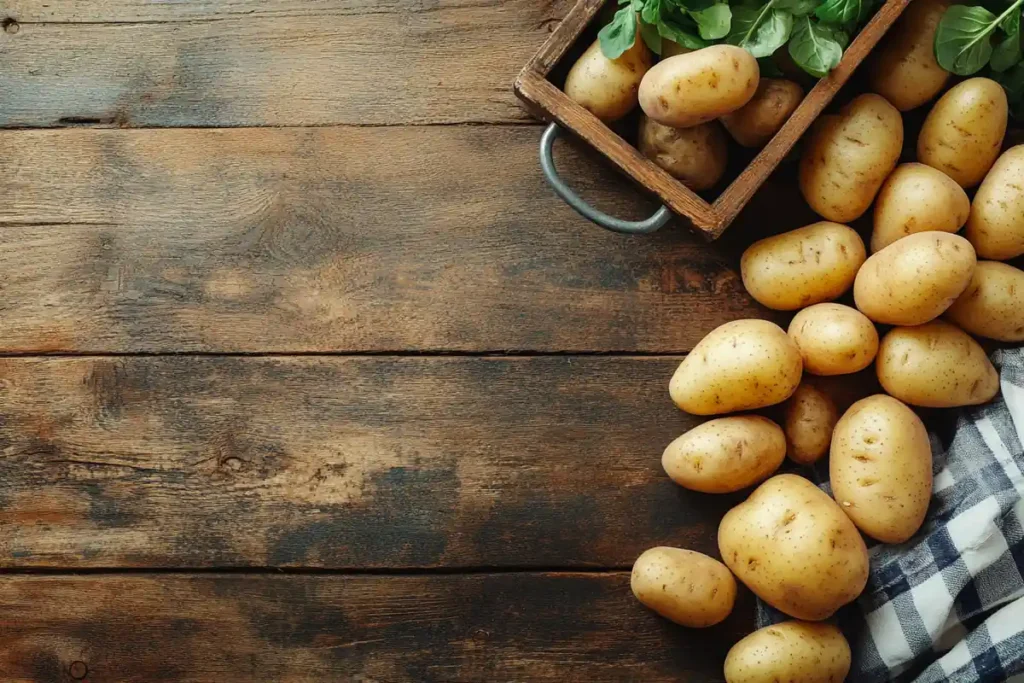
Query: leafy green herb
682,30
798,8
760,30
619,35
1007,53
840,11
816,48
713,22
963,41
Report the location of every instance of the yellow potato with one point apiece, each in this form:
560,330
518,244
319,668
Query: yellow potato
996,224
964,130
695,155
917,198
795,548
993,304
810,418
797,651
608,87
848,157
817,262
903,68
699,86
936,365
880,468
915,279
726,455
741,365
757,122
834,339
684,586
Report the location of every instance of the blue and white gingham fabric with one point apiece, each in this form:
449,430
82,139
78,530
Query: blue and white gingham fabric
948,605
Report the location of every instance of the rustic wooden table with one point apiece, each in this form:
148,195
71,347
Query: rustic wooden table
307,375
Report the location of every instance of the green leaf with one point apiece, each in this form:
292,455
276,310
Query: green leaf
619,35
651,12
1006,54
638,5
963,41
814,47
840,11
714,22
760,30
798,8
682,31
693,5
1011,23
649,32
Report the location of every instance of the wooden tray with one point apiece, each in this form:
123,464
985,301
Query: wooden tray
549,103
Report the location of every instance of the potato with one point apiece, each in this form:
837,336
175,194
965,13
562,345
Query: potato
608,87
741,365
847,158
795,548
834,339
964,131
993,304
798,651
903,68
936,365
915,279
757,122
726,455
809,420
880,468
684,586
917,198
699,86
695,155
817,262
996,224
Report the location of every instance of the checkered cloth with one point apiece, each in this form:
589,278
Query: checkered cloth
948,605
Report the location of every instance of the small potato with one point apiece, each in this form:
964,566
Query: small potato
757,122
903,68
993,304
608,88
917,198
996,224
741,365
880,468
810,418
834,339
847,158
817,262
964,130
915,279
684,586
696,156
936,365
795,548
699,86
797,651
726,455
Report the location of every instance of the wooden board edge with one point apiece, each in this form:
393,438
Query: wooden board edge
562,38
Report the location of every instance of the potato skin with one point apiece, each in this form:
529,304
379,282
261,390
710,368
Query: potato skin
880,468
917,198
741,365
801,651
795,548
757,122
699,86
726,455
834,339
996,224
915,279
608,88
936,365
810,417
964,130
817,262
993,304
683,586
903,68
696,156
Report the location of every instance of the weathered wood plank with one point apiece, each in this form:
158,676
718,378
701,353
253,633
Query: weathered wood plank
335,239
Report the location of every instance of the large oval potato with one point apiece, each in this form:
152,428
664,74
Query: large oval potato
608,88
903,68
847,158
741,365
834,339
917,198
699,86
880,468
915,279
993,304
757,122
936,365
964,130
795,548
810,417
797,651
696,155
996,224
817,262
684,586
726,455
